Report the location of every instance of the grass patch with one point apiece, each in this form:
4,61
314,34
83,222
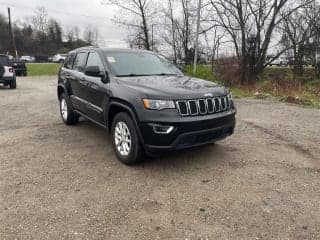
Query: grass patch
204,72
241,92
43,69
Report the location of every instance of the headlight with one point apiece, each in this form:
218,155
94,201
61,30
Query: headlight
158,104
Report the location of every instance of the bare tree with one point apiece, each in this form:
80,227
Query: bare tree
141,12
301,34
171,39
40,20
213,39
91,35
250,25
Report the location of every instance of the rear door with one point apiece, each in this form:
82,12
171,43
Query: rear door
76,77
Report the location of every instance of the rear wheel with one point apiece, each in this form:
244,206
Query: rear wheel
68,116
125,140
13,84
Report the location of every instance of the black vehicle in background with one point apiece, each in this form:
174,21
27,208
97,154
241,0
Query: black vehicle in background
146,103
41,59
19,67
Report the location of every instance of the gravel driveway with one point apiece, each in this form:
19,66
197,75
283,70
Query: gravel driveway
59,182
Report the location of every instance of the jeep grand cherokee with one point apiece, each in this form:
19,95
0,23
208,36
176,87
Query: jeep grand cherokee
146,103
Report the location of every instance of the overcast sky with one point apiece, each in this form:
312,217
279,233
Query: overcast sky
73,13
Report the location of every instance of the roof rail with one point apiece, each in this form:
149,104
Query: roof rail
90,46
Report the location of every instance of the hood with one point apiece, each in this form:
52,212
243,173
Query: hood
177,87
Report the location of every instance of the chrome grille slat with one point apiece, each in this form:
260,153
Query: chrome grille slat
203,106
190,103
183,113
217,103
211,104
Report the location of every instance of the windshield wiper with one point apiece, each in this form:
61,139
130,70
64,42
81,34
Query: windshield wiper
133,75
143,75
165,74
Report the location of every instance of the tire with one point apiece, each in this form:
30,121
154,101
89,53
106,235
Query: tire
1,71
13,84
127,156
24,73
68,116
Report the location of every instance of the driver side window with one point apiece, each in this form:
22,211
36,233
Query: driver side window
80,62
95,60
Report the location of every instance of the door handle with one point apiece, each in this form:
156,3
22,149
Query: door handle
82,80
69,76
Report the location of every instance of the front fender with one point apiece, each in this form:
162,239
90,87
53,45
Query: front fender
130,111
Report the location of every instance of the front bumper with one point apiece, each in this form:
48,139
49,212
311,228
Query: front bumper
20,70
6,80
188,134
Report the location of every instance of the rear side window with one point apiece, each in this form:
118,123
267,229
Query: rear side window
69,61
95,60
4,61
80,62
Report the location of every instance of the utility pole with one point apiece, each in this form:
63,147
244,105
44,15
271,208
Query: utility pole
196,47
13,43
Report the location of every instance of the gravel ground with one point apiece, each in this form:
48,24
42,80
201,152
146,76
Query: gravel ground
59,182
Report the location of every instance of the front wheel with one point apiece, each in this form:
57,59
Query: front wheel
68,116
125,140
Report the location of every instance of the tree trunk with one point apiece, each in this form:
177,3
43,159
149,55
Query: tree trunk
173,32
145,27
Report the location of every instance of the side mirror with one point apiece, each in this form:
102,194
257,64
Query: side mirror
94,71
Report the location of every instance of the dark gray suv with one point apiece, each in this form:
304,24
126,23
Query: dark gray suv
146,103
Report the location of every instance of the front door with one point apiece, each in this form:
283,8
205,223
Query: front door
96,93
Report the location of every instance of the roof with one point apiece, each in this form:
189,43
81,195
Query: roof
124,50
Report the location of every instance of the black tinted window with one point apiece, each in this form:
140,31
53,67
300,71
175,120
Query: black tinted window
95,60
80,62
69,61
4,61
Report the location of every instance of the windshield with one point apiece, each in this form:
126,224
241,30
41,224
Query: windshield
4,61
129,64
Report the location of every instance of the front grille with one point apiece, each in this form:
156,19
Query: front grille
203,106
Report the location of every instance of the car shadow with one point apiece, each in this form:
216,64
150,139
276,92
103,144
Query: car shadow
191,157
4,88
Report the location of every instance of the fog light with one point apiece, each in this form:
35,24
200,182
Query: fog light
160,129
